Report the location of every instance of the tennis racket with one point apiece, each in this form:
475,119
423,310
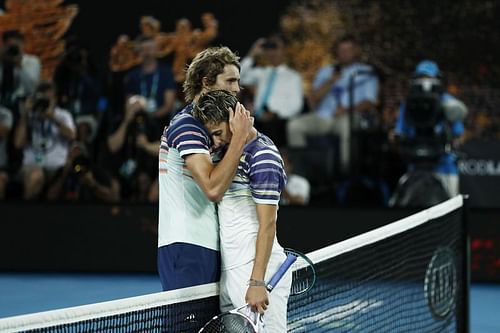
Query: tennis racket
304,273
242,319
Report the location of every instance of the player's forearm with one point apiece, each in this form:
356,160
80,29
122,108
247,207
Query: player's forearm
265,239
222,174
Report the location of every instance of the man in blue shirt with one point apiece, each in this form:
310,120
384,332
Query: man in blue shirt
331,100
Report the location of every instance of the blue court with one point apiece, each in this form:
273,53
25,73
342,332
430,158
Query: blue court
28,293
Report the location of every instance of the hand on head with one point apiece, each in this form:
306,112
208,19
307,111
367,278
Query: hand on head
240,121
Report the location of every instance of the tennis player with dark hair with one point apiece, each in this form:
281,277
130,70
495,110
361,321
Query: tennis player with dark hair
250,251
188,234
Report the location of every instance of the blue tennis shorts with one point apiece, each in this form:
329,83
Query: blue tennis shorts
182,265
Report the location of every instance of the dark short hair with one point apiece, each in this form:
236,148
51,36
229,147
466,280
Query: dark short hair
213,107
12,34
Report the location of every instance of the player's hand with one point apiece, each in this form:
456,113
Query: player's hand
240,122
258,299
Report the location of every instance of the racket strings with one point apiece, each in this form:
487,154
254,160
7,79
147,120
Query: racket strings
229,323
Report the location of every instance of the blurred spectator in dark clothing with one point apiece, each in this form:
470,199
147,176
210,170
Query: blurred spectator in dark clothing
83,180
44,132
6,122
135,166
155,82
19,71
77,83
79,90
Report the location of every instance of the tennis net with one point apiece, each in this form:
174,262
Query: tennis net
408,276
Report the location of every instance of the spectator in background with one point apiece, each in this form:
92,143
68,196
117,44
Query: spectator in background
330,100
83,180
6,122
154,81
79,91
19,71
150,148
298,189
44,132
278,93
134,167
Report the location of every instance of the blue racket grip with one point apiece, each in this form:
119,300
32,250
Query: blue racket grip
290,259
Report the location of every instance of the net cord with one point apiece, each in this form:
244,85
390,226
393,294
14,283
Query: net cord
105,309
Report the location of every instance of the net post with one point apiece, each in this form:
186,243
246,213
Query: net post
466,265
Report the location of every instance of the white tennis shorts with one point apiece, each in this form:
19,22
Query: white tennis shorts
234,285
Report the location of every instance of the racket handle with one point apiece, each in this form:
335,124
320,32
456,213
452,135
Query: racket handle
290,259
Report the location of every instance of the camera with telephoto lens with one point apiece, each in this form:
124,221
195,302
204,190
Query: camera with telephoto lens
140,122
81,164
424,110
40,104
12,51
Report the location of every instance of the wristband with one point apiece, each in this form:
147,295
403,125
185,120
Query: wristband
256,283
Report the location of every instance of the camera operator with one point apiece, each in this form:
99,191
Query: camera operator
82,180
44,132
19,71
429,128
130,146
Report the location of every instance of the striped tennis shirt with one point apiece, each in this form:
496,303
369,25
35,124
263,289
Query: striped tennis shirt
185,213
260,178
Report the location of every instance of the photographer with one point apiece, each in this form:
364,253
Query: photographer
130,146
82,180
428,129
19,72
44,132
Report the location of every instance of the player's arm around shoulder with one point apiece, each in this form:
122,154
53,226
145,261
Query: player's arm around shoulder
215,180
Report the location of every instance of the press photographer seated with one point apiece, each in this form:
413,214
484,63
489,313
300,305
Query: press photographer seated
19,71
44,132
428,130
82,180
133,150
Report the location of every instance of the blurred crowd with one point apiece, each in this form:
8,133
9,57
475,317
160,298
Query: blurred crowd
90,136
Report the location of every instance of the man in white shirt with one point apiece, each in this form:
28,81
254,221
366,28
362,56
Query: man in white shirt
250,250
44,132
278,93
